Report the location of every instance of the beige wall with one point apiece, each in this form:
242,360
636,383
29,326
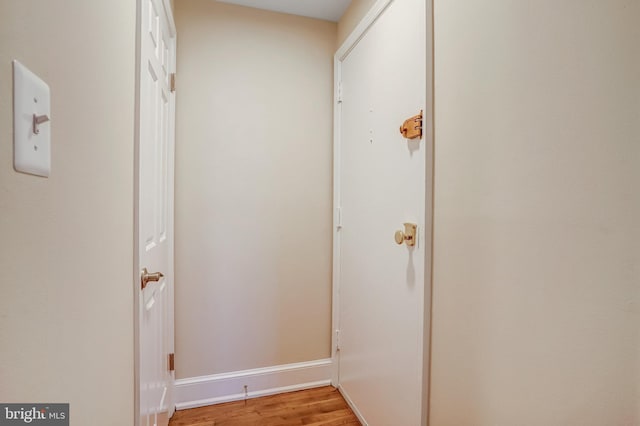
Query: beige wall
66,301
351,18
537,234
253,188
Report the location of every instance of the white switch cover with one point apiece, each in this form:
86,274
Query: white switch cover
31,140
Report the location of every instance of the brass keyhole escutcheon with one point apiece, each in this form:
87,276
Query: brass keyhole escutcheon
408,236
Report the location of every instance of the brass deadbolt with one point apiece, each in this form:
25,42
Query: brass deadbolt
408,236
412,127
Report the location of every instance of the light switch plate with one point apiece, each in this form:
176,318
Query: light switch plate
31,144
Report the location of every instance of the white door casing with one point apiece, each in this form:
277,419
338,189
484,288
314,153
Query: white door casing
154,213
382,290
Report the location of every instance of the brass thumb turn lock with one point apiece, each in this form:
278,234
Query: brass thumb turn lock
409,234
412,127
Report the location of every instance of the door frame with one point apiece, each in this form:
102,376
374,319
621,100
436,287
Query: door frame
136,194
378,8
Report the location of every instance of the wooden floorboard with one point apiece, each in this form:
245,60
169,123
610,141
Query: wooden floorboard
321,406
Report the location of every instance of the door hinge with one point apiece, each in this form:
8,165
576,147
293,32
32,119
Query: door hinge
338,218
339,94
173,82
337,340
171,362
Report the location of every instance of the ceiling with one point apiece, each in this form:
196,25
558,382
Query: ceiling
329,10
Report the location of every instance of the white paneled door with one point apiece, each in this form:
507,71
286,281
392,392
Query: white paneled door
381,185
154,225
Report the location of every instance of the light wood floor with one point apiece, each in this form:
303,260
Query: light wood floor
320,406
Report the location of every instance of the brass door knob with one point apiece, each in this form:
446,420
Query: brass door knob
409,235
146,277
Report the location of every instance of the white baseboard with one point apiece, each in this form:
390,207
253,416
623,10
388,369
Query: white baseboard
218,388
351,405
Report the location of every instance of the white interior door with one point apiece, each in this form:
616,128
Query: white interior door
382,185
155,213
